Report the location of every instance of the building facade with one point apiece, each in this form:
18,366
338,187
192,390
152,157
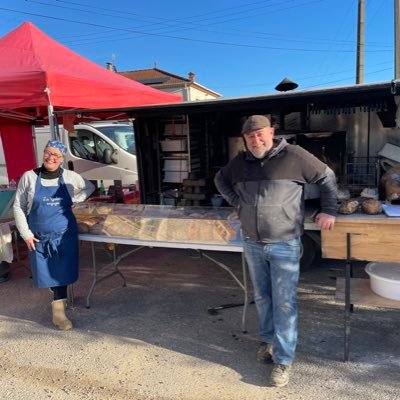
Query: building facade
188,88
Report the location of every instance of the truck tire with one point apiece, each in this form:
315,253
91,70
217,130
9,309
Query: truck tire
310,252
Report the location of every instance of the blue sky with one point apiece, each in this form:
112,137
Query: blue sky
237,48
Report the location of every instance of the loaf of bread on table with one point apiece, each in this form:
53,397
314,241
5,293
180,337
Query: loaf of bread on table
349,206
371,206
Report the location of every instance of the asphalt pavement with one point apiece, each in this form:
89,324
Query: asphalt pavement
155,339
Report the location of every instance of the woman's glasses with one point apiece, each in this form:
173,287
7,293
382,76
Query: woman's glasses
50,154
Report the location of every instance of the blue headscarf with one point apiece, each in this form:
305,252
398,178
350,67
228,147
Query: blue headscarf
57,145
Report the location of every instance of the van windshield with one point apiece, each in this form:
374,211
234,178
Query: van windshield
121,135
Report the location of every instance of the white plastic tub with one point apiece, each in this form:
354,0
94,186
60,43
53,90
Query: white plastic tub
384,279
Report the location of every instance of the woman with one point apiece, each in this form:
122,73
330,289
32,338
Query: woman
44,218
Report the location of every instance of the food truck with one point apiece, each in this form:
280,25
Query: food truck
180,147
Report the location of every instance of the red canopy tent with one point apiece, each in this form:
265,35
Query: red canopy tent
39,75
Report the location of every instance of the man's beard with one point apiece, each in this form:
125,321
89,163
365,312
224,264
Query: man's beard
258,154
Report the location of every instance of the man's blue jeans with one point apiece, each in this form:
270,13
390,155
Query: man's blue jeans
274,271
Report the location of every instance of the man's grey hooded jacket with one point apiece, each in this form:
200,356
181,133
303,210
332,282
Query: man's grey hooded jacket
269,192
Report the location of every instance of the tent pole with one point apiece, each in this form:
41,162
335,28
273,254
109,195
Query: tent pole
53,134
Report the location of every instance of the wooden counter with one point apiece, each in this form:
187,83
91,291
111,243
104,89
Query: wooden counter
373,238
367,238
362,294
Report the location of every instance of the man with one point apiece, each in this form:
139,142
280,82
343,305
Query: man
266,184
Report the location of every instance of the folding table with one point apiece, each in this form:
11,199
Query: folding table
204,249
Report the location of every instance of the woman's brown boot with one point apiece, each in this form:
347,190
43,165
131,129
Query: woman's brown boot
59,318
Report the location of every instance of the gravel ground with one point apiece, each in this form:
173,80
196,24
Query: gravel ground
154,339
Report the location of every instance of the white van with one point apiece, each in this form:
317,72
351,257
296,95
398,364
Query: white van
98,151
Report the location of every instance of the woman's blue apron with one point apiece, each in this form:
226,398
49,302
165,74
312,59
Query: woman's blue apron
55,260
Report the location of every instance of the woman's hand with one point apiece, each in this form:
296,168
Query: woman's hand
30,242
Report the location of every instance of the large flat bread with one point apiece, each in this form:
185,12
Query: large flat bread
195,231
199,228
117,225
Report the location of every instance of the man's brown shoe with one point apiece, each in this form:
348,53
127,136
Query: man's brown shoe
264,353
280,375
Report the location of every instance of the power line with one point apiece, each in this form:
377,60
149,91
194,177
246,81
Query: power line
114,37
269,12
324,64
155,34
230,8
86,23
378,9
91,11
257,9
280,2
86,34
249,33
301,79
166,19
348,78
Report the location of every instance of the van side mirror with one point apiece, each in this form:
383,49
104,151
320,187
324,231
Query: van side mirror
107,156
114,156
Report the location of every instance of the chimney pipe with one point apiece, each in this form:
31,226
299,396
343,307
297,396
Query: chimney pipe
286,84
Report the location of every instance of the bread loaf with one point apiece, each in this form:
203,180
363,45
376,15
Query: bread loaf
349,206
391,182
371,206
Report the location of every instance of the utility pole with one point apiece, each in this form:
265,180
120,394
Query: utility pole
396,39
360,42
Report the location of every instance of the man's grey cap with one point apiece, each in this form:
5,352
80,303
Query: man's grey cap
255,122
